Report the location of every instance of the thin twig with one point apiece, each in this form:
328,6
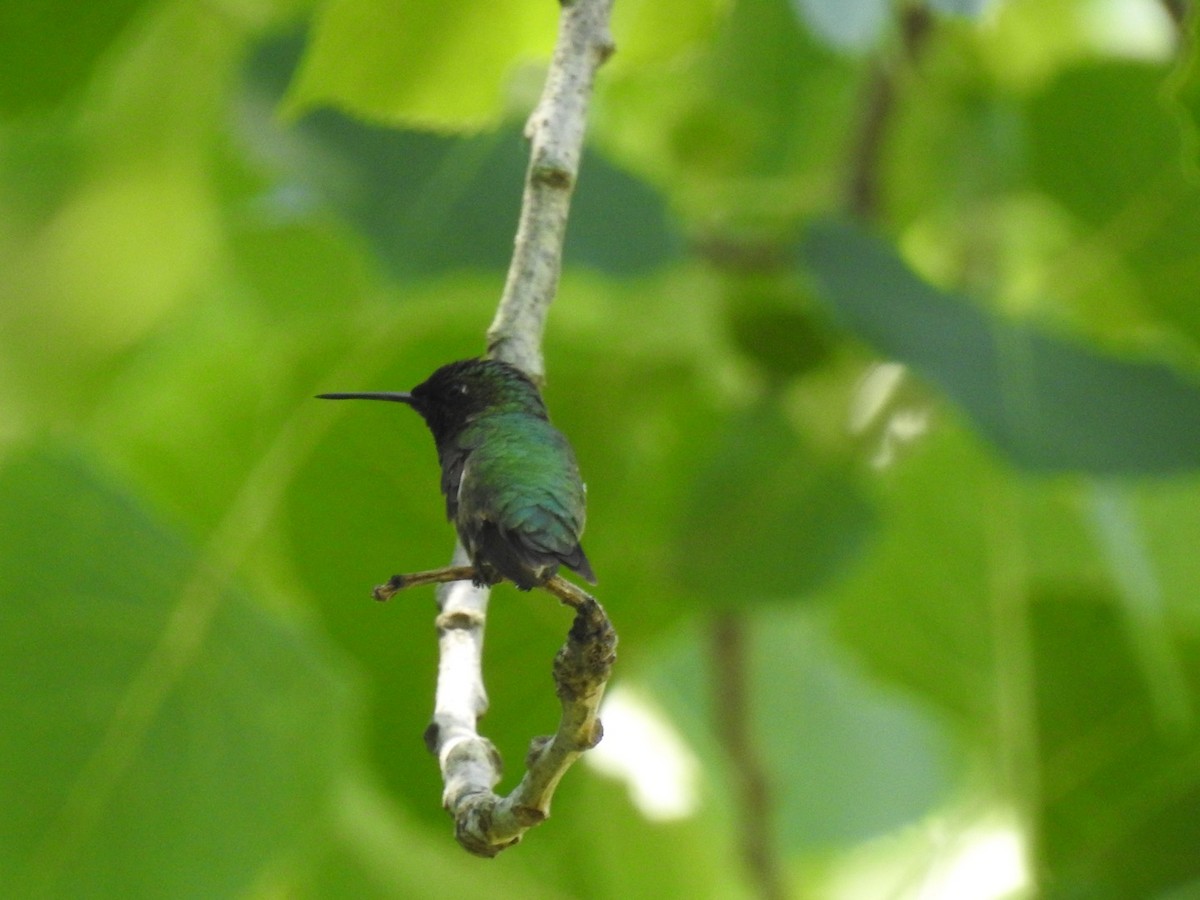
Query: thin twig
568,593
731,709
862,188
444,575
878,106
486,823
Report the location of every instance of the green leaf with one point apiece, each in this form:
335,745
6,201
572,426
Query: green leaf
50,49
420,63
1078,674
917,610
778,327
873,759
1133,183
174,739
1100,138
766,518
846,758
1121,787
720,128
377,849
1048,403
656,31
651,864
430,203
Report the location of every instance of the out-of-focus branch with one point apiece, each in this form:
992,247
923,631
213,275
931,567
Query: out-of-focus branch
878,105
732,723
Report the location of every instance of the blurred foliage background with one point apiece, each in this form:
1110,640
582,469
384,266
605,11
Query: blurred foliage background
879,345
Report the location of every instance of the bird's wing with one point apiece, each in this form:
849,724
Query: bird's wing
526,482
453,458
546,533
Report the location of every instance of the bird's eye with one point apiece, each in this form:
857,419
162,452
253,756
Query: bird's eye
462,389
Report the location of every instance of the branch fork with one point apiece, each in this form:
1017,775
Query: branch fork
485,822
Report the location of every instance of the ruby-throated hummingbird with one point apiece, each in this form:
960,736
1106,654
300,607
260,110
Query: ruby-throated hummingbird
510,478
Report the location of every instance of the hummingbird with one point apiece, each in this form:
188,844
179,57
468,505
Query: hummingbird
510,478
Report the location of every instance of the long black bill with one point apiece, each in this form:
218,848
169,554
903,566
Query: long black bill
404,397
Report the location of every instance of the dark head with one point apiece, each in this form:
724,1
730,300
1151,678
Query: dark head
462,391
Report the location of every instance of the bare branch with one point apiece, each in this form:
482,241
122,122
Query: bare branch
878,108
731,707
467,760
555,130
486,823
